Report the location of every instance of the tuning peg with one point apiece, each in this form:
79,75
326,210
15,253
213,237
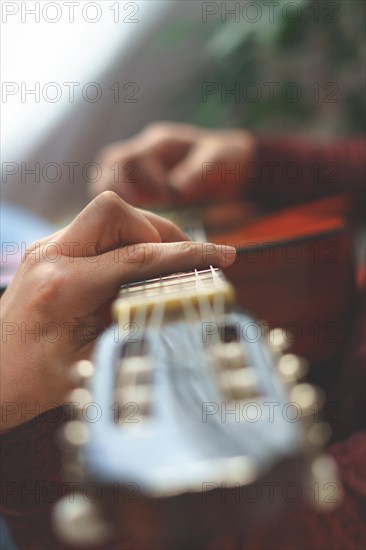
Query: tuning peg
309,398
81,371
292,368
277,340
78,400
74,434
325,488
78,523
80,397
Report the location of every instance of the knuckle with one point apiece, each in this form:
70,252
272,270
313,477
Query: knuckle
158,130
190,248
30,255
109,202
147,254
111,152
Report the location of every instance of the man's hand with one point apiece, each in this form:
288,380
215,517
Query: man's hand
171,163
59,301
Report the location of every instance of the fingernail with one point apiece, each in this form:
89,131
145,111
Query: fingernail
228,254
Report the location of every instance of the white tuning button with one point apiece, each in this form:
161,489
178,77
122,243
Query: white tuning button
78,399
241,384
81,371
277,340
228,356
292,368
323,476
78,523
74,434
308,398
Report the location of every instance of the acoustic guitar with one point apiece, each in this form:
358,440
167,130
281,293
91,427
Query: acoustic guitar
191,421
294,268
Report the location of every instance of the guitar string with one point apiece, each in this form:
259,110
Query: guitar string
211,312
192,397
207,311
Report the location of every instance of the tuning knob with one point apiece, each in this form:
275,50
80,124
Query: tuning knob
292,368
74,434
325,488
309,399
77,522
79,398
277,340
81,372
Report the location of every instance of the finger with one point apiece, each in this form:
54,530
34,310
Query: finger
169,232
153,171
186,178
101,280
107,222
168,141
146,181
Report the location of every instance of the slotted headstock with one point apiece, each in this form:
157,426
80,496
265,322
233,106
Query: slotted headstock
194,397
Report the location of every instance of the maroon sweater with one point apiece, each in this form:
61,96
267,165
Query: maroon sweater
30,460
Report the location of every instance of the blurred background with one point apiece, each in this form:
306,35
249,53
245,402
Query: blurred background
76,80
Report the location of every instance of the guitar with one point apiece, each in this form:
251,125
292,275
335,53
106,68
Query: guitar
189,413
294,268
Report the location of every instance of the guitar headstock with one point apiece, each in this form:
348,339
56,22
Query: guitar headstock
193,398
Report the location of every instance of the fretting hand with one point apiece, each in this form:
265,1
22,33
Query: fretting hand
60,298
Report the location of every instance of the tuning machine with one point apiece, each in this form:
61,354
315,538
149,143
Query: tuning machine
292,368
277,340
76,520
325,491
322,472
78,523
81,372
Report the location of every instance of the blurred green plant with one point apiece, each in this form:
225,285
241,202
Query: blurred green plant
320,55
